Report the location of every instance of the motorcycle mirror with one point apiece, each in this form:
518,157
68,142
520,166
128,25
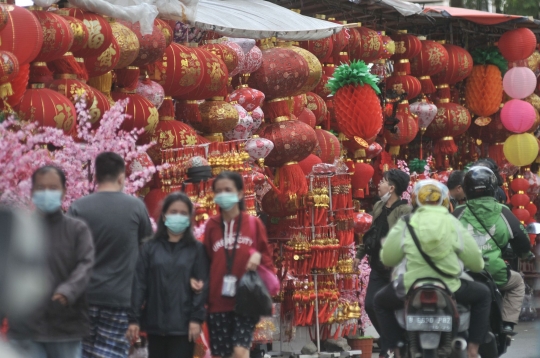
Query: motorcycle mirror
533,228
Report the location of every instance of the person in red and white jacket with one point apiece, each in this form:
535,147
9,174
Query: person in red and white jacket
235,243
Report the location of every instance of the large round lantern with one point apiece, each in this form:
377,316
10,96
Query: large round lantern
407,47
459,67
258,148
401,82
179,71
151,46
518,116
258,117
105,61
283,73
214,80
517,44
247,97
128,42
217,116
317,105
363,173
452,120
330,148
99,31
58,36
23,34
293,141
152,91
389,46
237,49
18,85
521,149
71,87
405,131
225,53
166,30
369,47
519,82
48,108
80,33
431,60
322,48
142,114
520,199
315,70
519,184
253,61
362,222
307,117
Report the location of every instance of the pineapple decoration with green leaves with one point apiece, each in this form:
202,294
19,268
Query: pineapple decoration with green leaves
357,107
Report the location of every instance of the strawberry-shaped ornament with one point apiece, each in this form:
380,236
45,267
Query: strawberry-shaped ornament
357,106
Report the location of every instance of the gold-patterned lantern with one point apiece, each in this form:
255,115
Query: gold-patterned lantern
217,116
128,43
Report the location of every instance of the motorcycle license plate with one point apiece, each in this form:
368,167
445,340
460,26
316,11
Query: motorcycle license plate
429,323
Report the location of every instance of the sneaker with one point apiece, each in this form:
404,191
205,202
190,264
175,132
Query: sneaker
509,330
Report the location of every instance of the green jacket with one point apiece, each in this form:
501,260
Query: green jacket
442,237
502,225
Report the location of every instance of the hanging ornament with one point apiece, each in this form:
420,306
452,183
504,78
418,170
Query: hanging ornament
459,67
400,83
518,116
519,82
57,36
224,52
330,148
253,61
369,46
425,111
407,47
151,90
128,43
317,105
247,97
80,33
142,114
98,108
243,127
405,130
217,116
315,69
322,49
518,44
151,47
166,30
104,61
239,54
363,173
521,149
308,163
431,60
258,117
258,148
22,27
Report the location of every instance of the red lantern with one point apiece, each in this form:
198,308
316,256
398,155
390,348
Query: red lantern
369,47
404,83
9,66
98,108
519,184
23,34
217,116
179,71
362,222
522,214
407,47
329,146
531,208
317,105
307,117
406,129
363,173
48,108
80,33
493,132
214,79
128,42
459,67
518,200
322,48
293,142
99,31
71,87
18,85
315,70
141,162
517,44
57,36
283,72
431,60
104,61
142,114
249,98
308,163
322,89
152,45
225,53
451,120
166,30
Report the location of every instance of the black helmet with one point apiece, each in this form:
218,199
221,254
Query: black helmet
478,182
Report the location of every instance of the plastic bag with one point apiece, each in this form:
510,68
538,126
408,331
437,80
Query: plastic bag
270,280
528,311
252,297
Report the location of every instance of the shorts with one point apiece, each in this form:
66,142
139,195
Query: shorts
228,330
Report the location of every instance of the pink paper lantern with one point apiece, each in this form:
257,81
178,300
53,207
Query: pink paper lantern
243,128
258,148
425,111
258,117
252,61
518,116
241,56
519,82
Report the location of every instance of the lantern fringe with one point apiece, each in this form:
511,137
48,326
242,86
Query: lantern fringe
40,73
427,85
443,91
394,150
446,146
102,83
166,111
402,67
127,78
65,65
83,74
188,111
277,108
291,181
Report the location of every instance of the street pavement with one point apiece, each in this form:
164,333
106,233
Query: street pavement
526,343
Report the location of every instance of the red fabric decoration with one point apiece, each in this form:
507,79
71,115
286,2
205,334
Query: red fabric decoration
142,114
431,60
329,146
362,222
99,31
152,46
48,108
217,116
407,46
366,44
363,173
105,61
70,86
283,72
225,53
308,163
22,35
57,35
517,44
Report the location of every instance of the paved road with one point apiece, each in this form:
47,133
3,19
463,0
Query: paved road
526,343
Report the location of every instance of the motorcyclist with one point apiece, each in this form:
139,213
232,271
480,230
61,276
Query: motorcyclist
450,246
495,227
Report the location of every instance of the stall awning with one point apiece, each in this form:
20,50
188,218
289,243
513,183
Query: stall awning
478,17
258,19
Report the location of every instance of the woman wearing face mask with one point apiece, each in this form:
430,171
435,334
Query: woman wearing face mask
386,213
163,303
235,242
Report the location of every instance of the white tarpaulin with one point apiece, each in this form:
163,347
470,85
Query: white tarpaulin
258,19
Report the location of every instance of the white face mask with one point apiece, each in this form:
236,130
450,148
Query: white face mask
386,197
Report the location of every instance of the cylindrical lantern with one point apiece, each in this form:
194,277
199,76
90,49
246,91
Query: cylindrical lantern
71,87
322,48
517,44
48,108
58,36
459,67
98,108
128,42
217,117
23,34
80,33
405,131
521,149
142,114
401,82
518,116
317,105
151,46
369,47
105,61
330,148
519,82
407,47
432,59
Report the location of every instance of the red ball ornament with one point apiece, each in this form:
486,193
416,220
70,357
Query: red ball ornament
179,71
330,148
293,142
459,67
431,60
282,73
103,62
522,214
171,134
518,200
362,222
363,173
407,46
451,120
367,46
98,108
57,36
308,163
531,208
259,179
99,31
517,44
9,66
48,108
152,46
214,77
22,35
519,184
142,114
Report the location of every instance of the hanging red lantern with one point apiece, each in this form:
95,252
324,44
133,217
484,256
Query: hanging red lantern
432,59
363,173
166,30
459,67
519,200
405,131
400,82
531,208
283,73
105,61
517,44
225,53
4,17
214,77
247,97
308,163
452,120
369,47
322,89
307,117
128,42
72,88
522,214
18,85
340,40
179,71
315,70
217,116
493,132
362,222
317,105
329,146
142,114
22,27
322,48
519,184
98,108
57,36
99,31
152,45
48,108
80,33
9,66
407,47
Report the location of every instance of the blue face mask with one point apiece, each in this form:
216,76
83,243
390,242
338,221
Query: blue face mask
47,201
226,201
177,223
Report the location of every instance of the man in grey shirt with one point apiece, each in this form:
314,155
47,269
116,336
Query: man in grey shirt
118,223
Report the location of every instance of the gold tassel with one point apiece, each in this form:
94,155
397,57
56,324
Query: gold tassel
102,83
214,137
6,90
394,150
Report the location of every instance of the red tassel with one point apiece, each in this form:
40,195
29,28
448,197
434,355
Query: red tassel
83,74
167,109
65,65
40,73
291,180
446,146
443,91
277,108
402,66
188,111
127,78
497,154
427,85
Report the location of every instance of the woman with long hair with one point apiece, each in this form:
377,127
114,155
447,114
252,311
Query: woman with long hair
164,304
235,243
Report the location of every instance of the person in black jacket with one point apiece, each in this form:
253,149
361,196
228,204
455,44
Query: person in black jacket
164,304
500,195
